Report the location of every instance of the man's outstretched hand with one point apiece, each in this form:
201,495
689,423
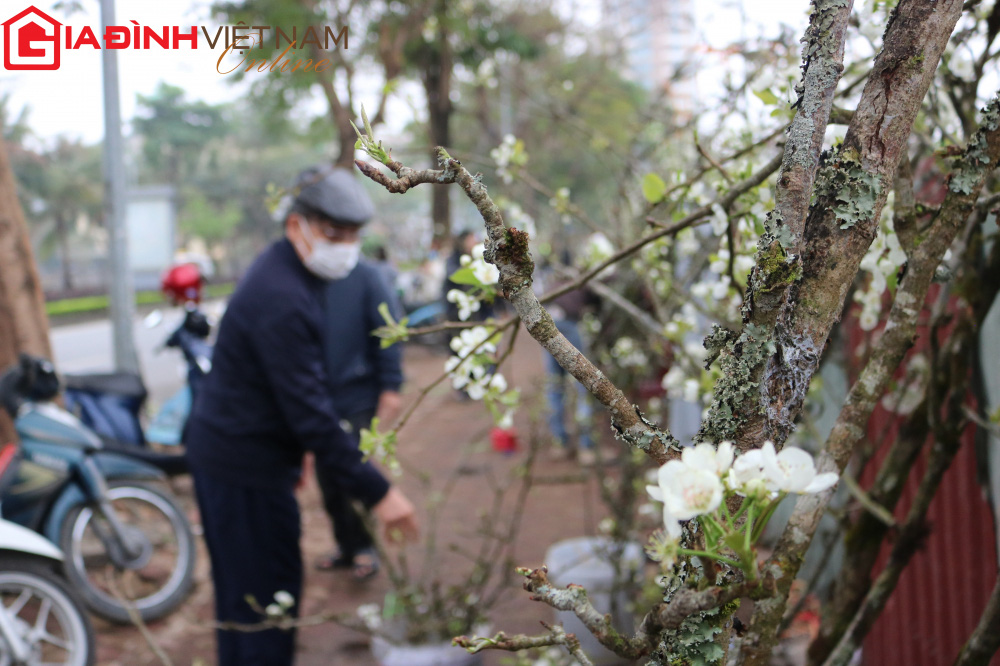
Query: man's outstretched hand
398,517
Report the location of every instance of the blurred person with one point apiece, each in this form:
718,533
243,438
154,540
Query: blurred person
379,258
567,312
364,381
267,401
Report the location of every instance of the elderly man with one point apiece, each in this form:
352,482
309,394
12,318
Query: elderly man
266,402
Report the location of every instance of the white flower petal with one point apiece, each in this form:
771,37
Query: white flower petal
821,482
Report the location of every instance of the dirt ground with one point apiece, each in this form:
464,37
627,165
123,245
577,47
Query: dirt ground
446,439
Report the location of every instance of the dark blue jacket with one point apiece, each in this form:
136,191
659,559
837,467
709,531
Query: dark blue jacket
359,368
267,399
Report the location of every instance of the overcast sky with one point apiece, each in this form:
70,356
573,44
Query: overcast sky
69,100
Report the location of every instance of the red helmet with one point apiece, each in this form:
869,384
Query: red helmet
182,284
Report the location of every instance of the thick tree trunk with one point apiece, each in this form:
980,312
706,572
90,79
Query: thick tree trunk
24,326
437,85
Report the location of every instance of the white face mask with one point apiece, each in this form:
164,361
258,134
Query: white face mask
329,261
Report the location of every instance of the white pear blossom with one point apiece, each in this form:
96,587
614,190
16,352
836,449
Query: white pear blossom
507,420
502,155
746,476
793,471
284,598
743,264
707,457
686,492
598,249
687,242
628,354
476,390
663,547
466,304
719,220
720,288
485,272
371,616
673,380
721,263
498,382
471,338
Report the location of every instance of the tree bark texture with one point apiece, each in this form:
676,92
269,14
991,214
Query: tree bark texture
24,325
851,190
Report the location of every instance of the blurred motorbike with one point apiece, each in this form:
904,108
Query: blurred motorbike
41,618
111,403
125,539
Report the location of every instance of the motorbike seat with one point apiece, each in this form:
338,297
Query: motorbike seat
125,384
171,464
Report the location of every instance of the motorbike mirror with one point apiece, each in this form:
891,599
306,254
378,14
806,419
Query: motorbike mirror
153,319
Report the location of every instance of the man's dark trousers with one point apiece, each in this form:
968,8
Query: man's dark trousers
266,520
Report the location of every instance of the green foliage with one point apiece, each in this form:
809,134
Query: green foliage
393,331
653,188
213,223
766,96
97,304
380,445
175,131
367,143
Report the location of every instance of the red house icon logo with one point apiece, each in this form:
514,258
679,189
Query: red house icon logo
31,41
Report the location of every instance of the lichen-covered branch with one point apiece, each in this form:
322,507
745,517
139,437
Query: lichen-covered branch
501,641
985,639
851,190
823,63
742,357
507,249
685,603
574,599
980,157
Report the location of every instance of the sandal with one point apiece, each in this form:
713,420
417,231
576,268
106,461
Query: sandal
365,565
333,561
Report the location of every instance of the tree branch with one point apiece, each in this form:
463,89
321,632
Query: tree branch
556,636
831,256
508,250
985,639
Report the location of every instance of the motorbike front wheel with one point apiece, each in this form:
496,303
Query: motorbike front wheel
45,614
154,577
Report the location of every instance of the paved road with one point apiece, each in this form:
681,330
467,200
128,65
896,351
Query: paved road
83,348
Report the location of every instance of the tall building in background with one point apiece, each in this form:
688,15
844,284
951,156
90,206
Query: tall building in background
656,39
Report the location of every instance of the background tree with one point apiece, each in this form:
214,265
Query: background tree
24,326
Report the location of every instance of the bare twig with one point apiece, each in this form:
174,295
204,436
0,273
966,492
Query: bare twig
501,641
870,505
136,618
985,639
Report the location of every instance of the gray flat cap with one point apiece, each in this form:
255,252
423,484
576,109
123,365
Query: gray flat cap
334,193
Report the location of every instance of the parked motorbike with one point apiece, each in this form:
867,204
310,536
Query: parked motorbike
126,540
111,403
42,621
